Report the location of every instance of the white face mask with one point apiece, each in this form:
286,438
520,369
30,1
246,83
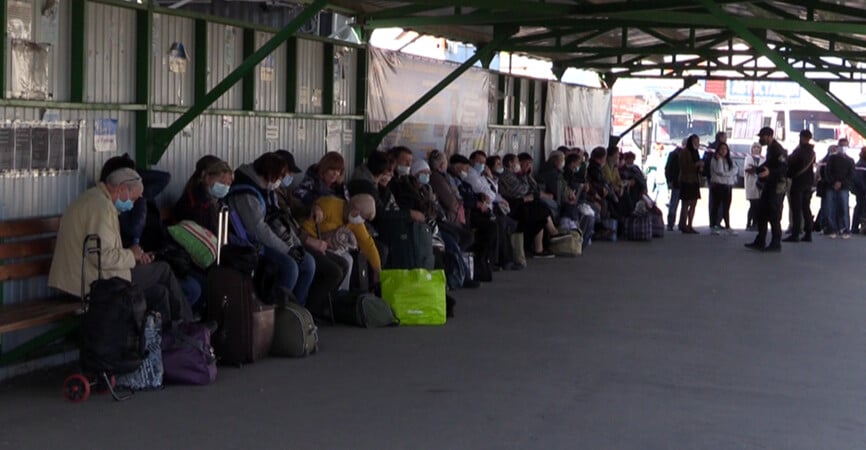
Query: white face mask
843,149
403,170
463,175
357,220
275,185
499,170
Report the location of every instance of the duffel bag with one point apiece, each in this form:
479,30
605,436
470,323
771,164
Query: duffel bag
187,355
417,296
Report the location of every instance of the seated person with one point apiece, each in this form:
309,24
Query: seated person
633,178
322,179
95,212
142,226
338,215
200,201
479,217
532,216
501,210
252,198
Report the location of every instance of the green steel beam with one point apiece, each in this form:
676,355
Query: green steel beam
200,60
248,83
143,40
360,105
530,103
77,48
162,137
687,83
516,94
292,74
328,79
401,11
836,106
500,37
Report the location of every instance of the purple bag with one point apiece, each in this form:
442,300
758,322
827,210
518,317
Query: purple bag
187,355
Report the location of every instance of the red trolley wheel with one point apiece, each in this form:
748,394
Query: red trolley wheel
76,388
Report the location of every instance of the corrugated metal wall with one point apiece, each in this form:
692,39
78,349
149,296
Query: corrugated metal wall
309,67
271,77
173,66
110,40
345,74
224,54
506,140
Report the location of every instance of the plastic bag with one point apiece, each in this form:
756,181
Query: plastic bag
417,296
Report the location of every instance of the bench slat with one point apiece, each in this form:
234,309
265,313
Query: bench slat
29,269
36,312
28,227
23,249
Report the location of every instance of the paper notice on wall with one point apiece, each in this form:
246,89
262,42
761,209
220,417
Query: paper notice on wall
48,21
272,133
227,121
334,136
177,58
19,22
105,135
303,96
267,72
316,98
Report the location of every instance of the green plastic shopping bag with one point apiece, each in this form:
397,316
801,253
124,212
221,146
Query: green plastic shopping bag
417,296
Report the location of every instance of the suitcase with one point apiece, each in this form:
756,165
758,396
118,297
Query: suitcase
638,228
245,324
295,332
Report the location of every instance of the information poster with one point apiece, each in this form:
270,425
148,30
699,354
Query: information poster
39,145
22,147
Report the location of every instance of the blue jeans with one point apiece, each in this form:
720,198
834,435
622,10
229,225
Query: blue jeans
192,286
672,207
838,218
291,275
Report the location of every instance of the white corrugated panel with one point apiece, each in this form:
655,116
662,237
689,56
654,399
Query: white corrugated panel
173,67
345,77
224,54
309,69
270,77
110,73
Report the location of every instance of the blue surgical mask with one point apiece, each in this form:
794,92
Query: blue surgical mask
479,168
219,190
287,180
423,178
123,205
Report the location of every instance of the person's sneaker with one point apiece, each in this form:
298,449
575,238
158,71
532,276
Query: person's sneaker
846,235
832,235
732,232
543,255
791,238
716,231
806,238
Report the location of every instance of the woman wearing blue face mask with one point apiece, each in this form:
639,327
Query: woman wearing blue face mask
201,200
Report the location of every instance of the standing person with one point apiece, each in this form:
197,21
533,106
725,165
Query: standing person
690,183
672,176
859,188
772,175
839,173
750,166
802,174
723,176
709,154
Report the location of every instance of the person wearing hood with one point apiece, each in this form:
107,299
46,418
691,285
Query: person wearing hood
95,212
252,198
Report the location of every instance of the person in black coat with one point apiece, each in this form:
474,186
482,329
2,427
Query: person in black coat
772,176
802,174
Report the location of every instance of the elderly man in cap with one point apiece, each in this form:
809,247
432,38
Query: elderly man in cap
772,177
96,212
802,174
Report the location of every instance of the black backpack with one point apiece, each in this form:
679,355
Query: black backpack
113,327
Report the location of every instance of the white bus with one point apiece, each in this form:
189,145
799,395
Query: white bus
786,120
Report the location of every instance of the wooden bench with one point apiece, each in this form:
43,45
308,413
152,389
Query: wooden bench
26,248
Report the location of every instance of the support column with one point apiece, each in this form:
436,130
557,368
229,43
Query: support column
822,94
292,75
328,78
76,50
361,105
200,59
143,40
248,85
162,137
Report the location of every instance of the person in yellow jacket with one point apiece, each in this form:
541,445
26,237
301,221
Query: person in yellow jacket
337,214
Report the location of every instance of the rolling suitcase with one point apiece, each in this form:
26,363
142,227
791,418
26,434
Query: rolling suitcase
245,324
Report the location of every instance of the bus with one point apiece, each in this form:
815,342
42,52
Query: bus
691,112
786,120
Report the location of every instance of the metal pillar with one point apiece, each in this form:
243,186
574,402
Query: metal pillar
687,83
374,139
162,137
822,94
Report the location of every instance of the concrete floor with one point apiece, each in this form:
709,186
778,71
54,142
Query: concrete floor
688,342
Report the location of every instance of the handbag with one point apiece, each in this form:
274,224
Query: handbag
417,296
341,239
187,355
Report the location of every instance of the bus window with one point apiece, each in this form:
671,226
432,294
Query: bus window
822,124
780,126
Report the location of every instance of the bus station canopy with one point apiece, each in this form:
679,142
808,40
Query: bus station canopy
710,39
